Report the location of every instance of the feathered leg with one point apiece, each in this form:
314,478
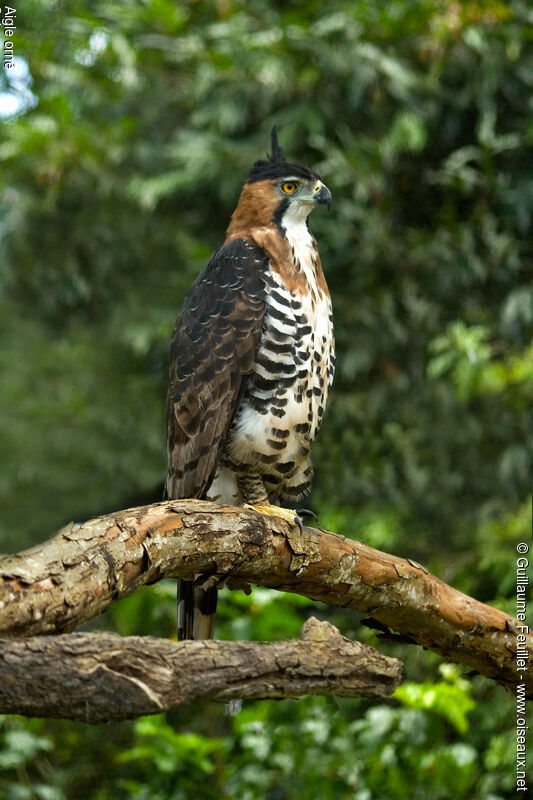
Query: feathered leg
255,496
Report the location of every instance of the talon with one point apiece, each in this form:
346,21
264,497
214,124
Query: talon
306,512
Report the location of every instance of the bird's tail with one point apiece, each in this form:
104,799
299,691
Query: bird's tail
197,605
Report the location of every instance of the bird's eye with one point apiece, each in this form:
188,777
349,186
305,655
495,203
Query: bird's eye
289,188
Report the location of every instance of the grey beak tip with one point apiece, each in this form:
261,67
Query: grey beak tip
324,197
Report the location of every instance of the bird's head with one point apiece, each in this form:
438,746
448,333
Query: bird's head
279,191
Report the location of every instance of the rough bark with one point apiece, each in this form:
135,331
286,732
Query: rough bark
78,573
103,677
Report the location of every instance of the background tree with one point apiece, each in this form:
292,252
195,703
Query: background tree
134,125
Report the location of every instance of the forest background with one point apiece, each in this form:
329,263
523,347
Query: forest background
127,130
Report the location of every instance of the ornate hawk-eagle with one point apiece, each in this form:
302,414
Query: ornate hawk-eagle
251,360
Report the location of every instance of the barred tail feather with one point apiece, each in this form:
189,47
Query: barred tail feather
196,610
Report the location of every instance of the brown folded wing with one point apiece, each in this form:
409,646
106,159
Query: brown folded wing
213,348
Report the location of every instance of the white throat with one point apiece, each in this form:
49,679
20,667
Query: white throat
296,214
294,221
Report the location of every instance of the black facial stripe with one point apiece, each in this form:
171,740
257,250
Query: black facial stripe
278,216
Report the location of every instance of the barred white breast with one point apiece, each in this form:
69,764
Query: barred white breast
285,396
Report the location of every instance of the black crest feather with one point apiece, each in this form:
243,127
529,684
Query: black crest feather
277,153
275,165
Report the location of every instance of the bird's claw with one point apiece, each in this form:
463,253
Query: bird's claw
286,514
306,512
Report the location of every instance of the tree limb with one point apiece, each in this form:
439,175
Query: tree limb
76,575
103,677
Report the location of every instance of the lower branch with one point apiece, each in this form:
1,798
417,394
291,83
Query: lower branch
76,575
103,677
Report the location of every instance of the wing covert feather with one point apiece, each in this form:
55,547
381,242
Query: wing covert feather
213,347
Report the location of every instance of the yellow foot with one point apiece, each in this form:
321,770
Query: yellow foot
276,511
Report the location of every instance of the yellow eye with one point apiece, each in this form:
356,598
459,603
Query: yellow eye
289,188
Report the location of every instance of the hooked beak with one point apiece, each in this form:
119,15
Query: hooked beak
322,195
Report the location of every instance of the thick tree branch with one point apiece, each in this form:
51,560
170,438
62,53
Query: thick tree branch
100,677
78,573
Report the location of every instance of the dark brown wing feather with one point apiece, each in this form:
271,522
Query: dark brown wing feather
213,347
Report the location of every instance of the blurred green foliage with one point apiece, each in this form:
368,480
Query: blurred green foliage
137,123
